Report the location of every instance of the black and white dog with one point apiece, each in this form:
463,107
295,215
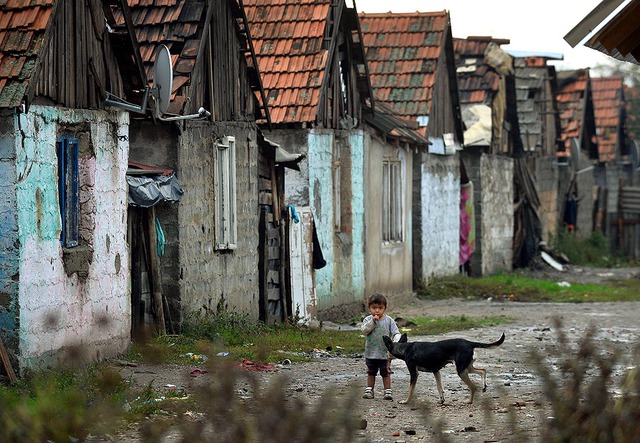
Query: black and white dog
433,356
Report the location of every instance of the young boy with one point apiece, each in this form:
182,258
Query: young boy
377,325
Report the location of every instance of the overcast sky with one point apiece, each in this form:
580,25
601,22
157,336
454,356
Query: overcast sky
537,26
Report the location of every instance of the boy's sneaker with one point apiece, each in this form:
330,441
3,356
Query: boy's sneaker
368,394
387,394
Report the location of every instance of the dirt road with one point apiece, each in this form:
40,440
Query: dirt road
515,390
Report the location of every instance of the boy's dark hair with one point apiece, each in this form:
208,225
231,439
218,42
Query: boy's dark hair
378,298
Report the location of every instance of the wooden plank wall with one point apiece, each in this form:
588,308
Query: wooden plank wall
230,93
274,307
78,63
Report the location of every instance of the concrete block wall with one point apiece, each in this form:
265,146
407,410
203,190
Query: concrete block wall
209,276
496,220
546,180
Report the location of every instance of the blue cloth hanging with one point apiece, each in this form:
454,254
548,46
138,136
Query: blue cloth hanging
294,214
160,236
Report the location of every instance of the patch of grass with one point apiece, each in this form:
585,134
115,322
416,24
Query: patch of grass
591,251
442,325
286,341
516,287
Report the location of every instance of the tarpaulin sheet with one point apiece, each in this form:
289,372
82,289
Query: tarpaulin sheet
147,191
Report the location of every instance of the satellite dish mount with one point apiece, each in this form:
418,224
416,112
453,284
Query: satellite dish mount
161,91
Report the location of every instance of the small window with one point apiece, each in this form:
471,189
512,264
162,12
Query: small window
67,151
392,202
224,188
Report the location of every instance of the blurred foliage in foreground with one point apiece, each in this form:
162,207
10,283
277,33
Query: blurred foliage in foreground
588,394
585,397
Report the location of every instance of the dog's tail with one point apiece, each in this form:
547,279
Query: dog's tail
489,345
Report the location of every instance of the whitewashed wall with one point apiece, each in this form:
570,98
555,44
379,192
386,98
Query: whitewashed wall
59,310
440,212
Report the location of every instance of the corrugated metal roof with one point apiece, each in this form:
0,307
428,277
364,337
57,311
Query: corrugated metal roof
394,127
22,29
608,103
288,37
403,51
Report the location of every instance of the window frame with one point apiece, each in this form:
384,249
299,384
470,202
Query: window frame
393,202
67,151
225,192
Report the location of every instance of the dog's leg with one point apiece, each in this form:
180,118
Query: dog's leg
482,373
413,372
439,386
464,375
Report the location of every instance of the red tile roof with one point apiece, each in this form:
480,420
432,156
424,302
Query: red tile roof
571,100
22,31
289,42
608,103
402,52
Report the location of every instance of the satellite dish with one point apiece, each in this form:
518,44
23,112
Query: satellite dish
163,78
574,152
162,89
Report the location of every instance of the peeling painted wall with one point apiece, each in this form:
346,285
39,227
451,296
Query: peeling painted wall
388,265
355,290
342,281
496,219
440,217
9,243
320,156
208,276
59,309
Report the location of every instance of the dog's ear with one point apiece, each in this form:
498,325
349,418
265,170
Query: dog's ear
403,338
387,342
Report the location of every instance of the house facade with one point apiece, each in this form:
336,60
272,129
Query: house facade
613,148
391,144
540,131
64,274
482,70
212,251
316,83
412,72
578,153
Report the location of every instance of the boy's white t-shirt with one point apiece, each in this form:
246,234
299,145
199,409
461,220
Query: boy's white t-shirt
374,346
